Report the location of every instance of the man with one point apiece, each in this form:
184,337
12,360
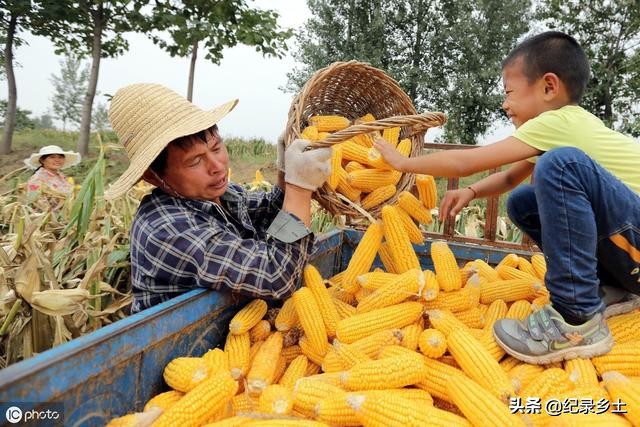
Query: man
196,229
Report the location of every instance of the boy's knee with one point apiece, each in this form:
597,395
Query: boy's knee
518,198
559,157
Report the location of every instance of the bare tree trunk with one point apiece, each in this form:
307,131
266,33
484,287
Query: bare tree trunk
10,116
85,124
192,70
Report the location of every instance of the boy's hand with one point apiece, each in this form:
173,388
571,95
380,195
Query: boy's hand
390,154
453,202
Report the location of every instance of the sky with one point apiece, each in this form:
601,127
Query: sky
243,73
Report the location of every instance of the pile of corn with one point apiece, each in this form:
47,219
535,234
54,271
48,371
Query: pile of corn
394,347
358,171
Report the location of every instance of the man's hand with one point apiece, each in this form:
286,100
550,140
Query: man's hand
389,153
307,169
453,202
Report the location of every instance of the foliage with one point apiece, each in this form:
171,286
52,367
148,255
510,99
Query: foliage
445,54
23,121
243,149
100,117
609,32
69,88
45,121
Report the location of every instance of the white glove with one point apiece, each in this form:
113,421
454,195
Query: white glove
307,169
280,150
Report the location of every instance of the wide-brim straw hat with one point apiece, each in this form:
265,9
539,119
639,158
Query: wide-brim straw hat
71,158
147,117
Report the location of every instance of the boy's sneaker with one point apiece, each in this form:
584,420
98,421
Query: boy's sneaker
544,337
618,300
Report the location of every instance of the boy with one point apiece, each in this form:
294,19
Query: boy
583,209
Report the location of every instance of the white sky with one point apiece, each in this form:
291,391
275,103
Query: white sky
243,73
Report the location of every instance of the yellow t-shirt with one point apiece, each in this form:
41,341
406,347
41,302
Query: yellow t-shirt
573,126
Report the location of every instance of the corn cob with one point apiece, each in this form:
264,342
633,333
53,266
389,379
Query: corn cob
400,248
386,258
376,161
185,373
522,375
427,191
375,279
337,293
313,281
458,300
525,266
389,372
352,151
330,123
411,335
445,266
510,362
287,317
313,354
237,348
404,286
623,358
432,343
486,271
294,371
497,310
478,405
254,350
345,188
372,344
510,290
308,392
508,273
490,345
391,135
621,388
368,180
590,419
363,256
539,265
348,354
363,139
550,382
361,325
263,367
353,166
413,231
581,372
200,404
260,331
291,352
217,360
276,399
431,286
378,196
310,318
472,317
343,309
312,369
414,207
336,165
310,133
164,401
292,336
479,365
404,147
248,317
445,321
519,310
625,327
136,418
334,410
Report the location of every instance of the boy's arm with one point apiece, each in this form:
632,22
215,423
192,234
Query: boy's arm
497,183
457,163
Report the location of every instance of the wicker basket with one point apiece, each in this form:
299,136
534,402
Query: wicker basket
353,89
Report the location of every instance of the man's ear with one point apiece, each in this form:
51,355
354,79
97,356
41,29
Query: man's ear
152,178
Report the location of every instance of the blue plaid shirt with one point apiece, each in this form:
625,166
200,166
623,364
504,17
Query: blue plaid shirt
250,246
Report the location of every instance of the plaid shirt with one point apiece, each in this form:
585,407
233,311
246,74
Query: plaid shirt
250,247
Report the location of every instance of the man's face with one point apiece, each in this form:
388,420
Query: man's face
200,171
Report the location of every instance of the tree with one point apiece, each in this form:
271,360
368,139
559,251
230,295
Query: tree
45,121
609,32
216,24
100,119
13,18
445,54
89,28
22,119
69,89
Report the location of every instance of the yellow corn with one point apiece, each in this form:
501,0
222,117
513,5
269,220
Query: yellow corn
391,135
313,281
519,310
308,392
276,399
261,331
330,123
623,358
522,375
432,343
385,256
334,410
310,133
445,321
486,271
375,279
248,317
581,372
404,286
200,404
291,352
510,290
427,191
413,231
414,207
455,301
550,382
472,317
314,355
437,375
310,318
507,273
390,372
354,152
539,265
431,286
263,368
625,327
361,325
368,180
353,166
217,360
345,188
510,260
479,365
404,147
372,344
363,256
621,388
185,373
336,165
343,309
287,317
446,266
478,404
378,196
348,355
411,335
497,310
164,401
525,266
400,248
237,349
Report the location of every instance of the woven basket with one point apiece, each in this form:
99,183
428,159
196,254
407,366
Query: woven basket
353,89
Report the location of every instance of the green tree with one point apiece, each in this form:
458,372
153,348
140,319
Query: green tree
609,32
100,118
13,18
92,28
22,117
216,24
446,54
45,121
69,89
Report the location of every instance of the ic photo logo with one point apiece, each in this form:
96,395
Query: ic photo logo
14,414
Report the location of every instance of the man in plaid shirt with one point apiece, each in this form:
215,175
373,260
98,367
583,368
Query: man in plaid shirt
198,230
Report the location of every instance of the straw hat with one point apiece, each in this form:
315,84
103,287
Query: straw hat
147,117
71,158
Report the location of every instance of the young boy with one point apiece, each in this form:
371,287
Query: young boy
583,209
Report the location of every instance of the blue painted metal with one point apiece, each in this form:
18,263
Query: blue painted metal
116,369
